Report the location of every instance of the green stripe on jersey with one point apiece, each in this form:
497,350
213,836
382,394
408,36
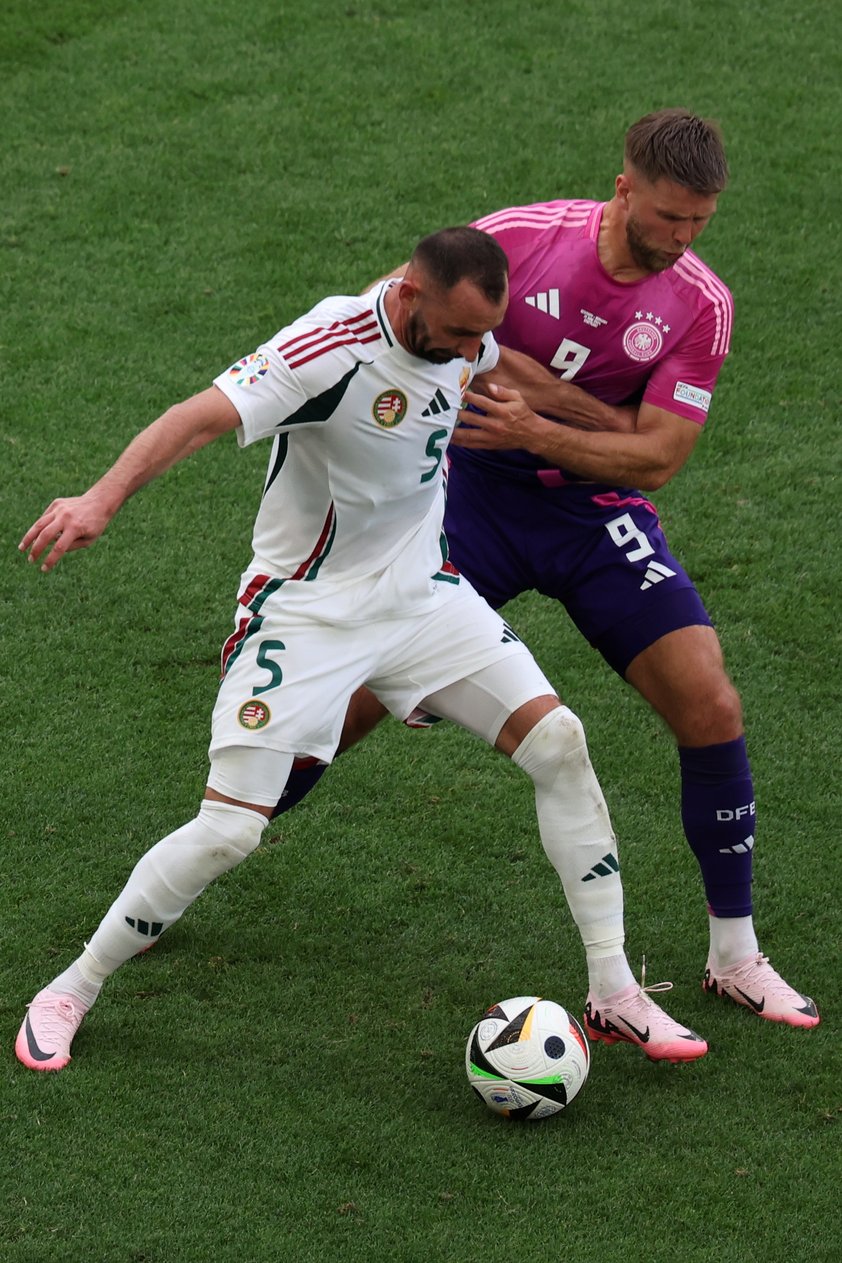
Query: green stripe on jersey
316,567
322,407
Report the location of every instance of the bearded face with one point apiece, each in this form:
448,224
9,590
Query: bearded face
662,220
420,341
648,255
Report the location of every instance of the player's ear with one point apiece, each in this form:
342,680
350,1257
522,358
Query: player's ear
408,291
622,187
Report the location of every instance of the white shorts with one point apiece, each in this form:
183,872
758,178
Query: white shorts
289,673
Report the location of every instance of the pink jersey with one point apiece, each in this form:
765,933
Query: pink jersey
661,339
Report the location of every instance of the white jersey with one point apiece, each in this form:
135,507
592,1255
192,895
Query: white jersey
353,501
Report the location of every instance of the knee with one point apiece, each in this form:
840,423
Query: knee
717,715
727,707
557,737
231,832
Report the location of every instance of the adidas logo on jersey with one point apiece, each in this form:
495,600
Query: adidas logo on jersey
656,571
437,404
547,302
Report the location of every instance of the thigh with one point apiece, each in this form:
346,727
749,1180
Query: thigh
682,676
483,701
460,636
628,590
485,524
249,775
287,680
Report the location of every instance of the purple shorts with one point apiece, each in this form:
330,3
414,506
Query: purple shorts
600,551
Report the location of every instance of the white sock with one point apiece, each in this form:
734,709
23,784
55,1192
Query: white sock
74,982
731,939
576,834
166,880
609,974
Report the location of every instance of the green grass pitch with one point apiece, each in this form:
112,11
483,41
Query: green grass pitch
282,1078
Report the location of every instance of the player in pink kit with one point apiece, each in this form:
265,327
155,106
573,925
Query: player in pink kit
611,299
629,328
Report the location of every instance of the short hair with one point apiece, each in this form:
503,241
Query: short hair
680,146
452,255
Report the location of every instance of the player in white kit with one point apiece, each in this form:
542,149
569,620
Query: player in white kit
350,584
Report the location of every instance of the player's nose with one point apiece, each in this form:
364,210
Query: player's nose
469,348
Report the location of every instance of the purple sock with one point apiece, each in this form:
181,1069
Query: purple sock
717,810
303,776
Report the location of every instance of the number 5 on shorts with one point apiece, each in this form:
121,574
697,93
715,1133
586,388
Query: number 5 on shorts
267,663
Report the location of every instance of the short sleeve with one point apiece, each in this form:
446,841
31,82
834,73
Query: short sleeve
683,382
297,378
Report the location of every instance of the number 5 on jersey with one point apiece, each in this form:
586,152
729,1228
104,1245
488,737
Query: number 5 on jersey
432,449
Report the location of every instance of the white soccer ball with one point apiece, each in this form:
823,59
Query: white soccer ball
527,1058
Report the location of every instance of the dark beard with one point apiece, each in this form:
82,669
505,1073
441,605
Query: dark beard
644,256
418,342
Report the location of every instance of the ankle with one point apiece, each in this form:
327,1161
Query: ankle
608,975
732,939
73,982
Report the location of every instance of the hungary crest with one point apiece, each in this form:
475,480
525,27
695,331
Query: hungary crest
254,715
389,408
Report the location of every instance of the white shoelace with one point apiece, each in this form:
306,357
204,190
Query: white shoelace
655,988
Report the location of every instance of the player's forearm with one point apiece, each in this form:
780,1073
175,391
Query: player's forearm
151,453
574,405
78,521
181,430
647,458
604,456
542,390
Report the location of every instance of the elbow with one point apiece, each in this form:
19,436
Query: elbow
653,479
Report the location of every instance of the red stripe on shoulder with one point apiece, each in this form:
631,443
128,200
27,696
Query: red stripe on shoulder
312,335
307,346
304,355
364,319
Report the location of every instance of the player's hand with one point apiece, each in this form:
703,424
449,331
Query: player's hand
502,420
544,397
75,522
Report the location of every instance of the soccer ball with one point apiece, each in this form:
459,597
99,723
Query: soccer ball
527,1058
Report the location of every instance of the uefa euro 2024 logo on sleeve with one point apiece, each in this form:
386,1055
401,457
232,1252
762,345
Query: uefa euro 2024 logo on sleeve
249,370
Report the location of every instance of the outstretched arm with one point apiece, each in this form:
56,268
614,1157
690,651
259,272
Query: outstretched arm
646,458
77,521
